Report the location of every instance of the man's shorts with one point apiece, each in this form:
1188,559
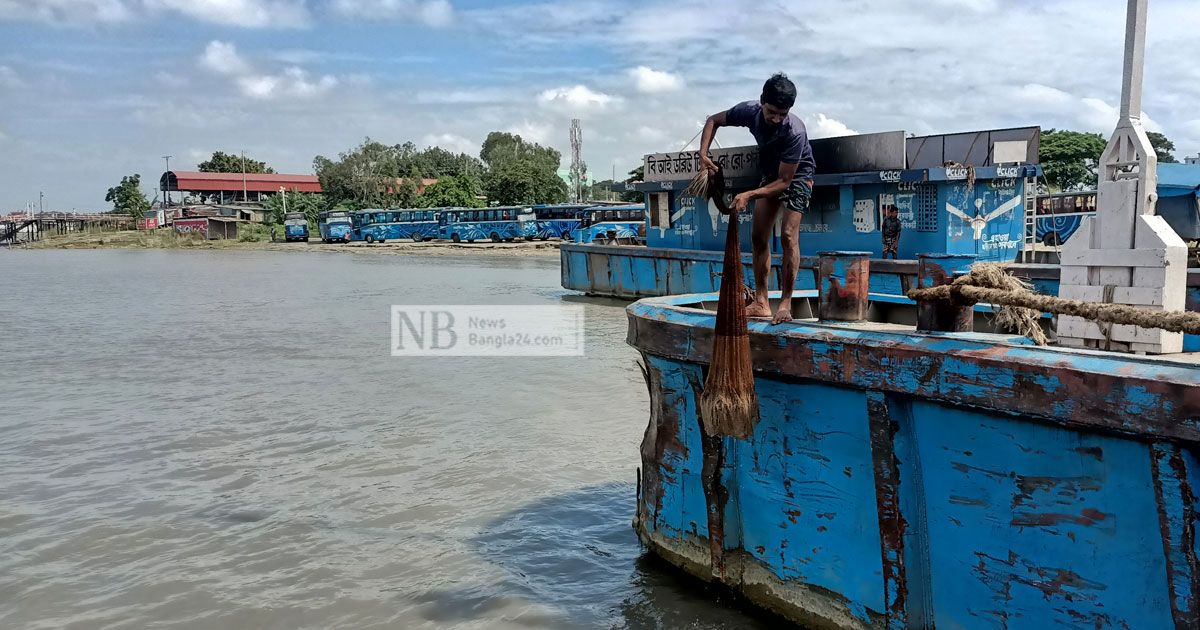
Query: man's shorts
797,196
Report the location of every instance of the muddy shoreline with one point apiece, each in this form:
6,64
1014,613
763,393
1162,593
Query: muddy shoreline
166,240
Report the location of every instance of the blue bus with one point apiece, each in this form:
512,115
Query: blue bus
295,227
377,225
334,225
612,223
477,224
555,221
1060,214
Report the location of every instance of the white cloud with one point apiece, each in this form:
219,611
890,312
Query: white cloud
9,79
451,142
435,13
578,97
1036,94
533,131
66,12
646,133
650,81
223,58
243,13
448,96
825,127
1097,115
86,13
915,77
293,82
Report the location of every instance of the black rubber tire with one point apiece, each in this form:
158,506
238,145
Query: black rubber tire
454,237
495,237
370,238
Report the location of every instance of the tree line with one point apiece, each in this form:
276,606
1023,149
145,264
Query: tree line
509,170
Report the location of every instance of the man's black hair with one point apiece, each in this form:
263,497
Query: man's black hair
779,91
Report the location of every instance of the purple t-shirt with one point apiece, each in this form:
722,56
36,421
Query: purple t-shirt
785,143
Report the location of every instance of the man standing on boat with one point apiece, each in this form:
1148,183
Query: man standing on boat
786,163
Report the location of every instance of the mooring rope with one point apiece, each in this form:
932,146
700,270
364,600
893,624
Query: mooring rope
990,283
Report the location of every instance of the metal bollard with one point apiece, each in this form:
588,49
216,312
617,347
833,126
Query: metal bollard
935,270
842,282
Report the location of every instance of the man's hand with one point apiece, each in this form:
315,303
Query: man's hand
742,200
707,164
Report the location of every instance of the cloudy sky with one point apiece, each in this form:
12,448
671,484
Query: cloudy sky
91,90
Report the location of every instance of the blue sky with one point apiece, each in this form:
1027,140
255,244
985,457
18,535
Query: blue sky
91,90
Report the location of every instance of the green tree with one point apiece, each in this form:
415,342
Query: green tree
128,198
636,175
521,172
1162,147
455,191
503,149
364,177
1070,158
222,162
522,183
376,175
309,203
405,188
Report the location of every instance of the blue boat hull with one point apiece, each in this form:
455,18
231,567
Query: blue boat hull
898,479
632,272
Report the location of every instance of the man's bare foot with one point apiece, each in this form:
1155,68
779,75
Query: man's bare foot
784,313
758,308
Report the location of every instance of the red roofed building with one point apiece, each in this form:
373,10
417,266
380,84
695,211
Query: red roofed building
223,187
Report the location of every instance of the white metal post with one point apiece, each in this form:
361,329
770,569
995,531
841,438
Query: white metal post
1126,254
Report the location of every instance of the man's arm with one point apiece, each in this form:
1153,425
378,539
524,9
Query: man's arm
786,173
706,138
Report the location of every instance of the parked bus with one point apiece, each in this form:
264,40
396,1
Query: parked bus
612,223
1060,214
477,224
383,225
334,226
295,227
555,221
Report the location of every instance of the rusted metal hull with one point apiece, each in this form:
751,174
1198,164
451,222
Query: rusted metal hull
907,480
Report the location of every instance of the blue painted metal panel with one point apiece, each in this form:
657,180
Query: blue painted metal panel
984,217
897,479
1037,525
680,508
805,494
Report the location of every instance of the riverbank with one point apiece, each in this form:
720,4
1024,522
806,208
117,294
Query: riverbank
164,239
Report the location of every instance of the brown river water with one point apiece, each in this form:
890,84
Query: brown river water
221,439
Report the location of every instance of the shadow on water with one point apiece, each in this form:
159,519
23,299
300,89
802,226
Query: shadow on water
578,555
